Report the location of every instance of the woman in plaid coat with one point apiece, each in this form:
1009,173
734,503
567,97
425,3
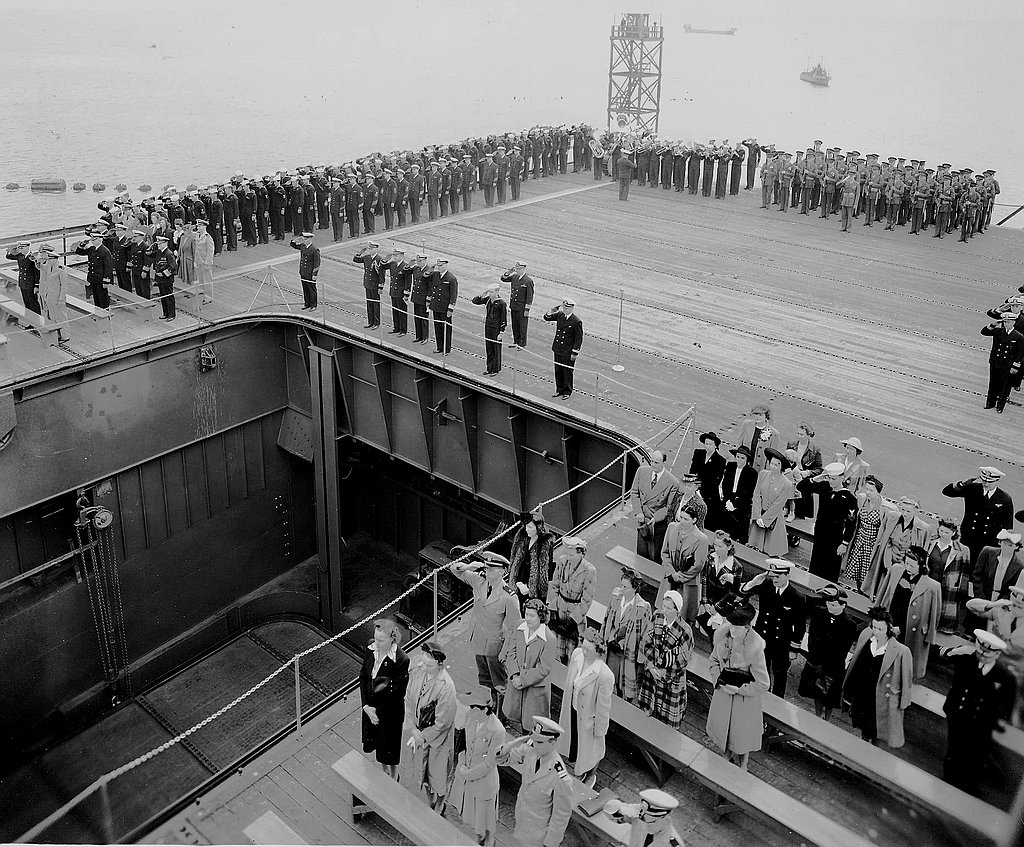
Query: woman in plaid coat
626,621
664,654
948,563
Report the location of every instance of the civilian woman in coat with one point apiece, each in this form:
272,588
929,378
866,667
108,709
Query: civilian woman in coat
758,435
878,681
528,656
901,529
665,653
430,706
739,674
684,554
532,558
861,551
383,680
948,564
722,577
767,527
856,469
830,634
626,620
808,466
474,791
586,707
914,601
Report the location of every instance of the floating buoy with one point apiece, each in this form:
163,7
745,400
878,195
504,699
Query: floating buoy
78,186
145,187
120,187
49,185
99,186
12,186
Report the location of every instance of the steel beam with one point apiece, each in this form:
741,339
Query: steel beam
517,434
425,398
468,401
382,372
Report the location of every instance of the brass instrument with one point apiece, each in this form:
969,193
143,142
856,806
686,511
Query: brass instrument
596,148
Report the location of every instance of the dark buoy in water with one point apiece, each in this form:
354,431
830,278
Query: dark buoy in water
78,186
145,187
99,186
12,186
49,185
120,187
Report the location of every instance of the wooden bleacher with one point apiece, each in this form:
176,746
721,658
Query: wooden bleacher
27,318
372,791
735,789
137,304
874,763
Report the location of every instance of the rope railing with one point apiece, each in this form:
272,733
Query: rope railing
101,783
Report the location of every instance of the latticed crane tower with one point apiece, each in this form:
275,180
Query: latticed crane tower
634,73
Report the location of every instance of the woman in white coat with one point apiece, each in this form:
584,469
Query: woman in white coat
586,707
475,786
774,490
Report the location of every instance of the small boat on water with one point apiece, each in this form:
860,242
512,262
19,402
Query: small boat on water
689,30
816,75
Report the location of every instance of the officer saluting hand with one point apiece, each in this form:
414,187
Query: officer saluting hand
566,345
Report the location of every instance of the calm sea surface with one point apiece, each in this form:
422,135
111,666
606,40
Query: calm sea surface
190,91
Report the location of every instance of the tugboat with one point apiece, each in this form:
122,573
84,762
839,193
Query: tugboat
689,30
816,75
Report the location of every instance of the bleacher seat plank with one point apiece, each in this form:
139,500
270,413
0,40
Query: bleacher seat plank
403,810
115,292
47,330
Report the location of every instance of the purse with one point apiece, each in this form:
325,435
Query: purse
734,676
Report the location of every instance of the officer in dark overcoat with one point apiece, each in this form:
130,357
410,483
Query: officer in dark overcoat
495,323
987,509
418,293
781,619
398,291
100,272
1004,360
309,267
520,298
373,281
28,275
565,346
444,291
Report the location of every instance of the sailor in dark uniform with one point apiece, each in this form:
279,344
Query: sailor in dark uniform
100,272
979,702
230,201
278,209
308,205
296,202
262,209
520,298
624,173
418,297
373,281
309,267
336,204
565,346
1005,359
643,160
138,263
753,160
163,267
987,509
835,522
353,205
444,291
781,619
398,272
28,275
495,323
371,193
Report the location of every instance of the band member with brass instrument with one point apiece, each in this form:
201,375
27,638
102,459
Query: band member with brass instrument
724,157
709,168
624,172
736,160
665,155
693,167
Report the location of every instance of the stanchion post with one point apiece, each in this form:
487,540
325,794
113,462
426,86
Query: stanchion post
597,394
298,698
618,367
625,464
435,605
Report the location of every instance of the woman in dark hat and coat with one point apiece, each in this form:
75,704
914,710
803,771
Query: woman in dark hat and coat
709,466
383,680
767,526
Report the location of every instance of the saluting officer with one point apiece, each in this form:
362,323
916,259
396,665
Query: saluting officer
444,291
565,346
495,323
163,268
418,296
309,267
544,802
781,619
1005,359
520,299
336,202
100,273
979,700
468,182
389,199
371,194
649,821
398,270
138,263
28,275
373,281
987,509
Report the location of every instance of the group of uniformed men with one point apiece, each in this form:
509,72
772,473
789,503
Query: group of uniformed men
893,190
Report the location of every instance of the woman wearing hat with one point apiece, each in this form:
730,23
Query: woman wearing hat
475,785
767,527
684,554
830,634
53,290
757,435
901,529
738,486
722,578
999,567
948,564
586,707
626,621
528,656
532,557
807,466
383,680
914,600
740,676
861,551
709,466
664,654
878,681
856,468
430,707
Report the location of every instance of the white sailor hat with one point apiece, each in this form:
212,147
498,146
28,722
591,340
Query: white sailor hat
834,469
546,727
987,639
138,232
777,566
568,301
441,260
990,473
307,235
659,803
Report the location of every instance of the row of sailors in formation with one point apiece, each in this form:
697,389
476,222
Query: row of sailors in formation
395,186
711,169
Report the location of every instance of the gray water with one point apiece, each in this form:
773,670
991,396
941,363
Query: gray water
190,91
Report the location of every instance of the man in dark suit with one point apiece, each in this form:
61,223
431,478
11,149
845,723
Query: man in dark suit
997,568
418,297
519,301
709,465
738,484
781,619
309,267
987,509
28,275
566,345
833,528
653,490
1004,360
398,290
495,322
980,699
444,291
373,281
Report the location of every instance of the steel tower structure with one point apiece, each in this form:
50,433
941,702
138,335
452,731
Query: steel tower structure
634,72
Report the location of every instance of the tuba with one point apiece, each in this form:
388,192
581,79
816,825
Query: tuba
596,148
